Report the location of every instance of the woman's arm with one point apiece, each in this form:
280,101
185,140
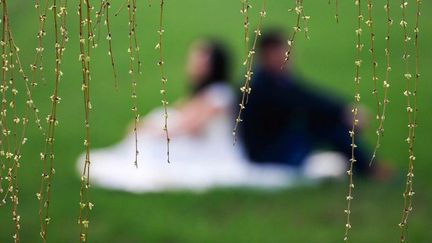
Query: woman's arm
196,114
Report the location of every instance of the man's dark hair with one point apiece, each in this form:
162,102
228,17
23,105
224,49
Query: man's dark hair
272,38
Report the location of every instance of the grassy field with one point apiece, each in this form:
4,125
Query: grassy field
312,214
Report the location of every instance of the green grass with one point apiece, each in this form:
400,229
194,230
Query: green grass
313,214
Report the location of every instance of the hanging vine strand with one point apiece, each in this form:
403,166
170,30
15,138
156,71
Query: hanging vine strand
86,38
107,5
336,9
164,79
12,141
352,132
245,11
134,71
37,64
246,89
9,133
104,12
298,9
412,109
370,24
386,83
305,19
47,157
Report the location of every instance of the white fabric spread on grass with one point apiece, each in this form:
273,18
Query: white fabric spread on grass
198,163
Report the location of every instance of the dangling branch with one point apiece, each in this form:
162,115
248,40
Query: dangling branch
299,10
352,132
386,84
12,141
86,36
109,38
245,11
412,110
246,88
103,11
164,79
133,51
47,157
370,24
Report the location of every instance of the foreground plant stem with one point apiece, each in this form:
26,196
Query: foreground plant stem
412,110
86,38
386,84
133,51
352,132
47,157
246,88
164,79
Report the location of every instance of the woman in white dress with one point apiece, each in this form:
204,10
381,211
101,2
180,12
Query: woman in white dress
202,154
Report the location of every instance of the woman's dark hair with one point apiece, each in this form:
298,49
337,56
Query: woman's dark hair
219,65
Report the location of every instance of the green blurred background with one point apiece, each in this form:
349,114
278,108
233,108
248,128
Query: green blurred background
310,214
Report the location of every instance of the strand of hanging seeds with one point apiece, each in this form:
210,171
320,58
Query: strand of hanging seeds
104,12
135,36
99,14
164,79
133,55
386,83
299,12
6,150
412,111
350,172
11,157
246,89
13,171
305,19
4,87
18,141
30,105
86,38
245,11
10,58
337,11
38,60
48,156
370,24
109,38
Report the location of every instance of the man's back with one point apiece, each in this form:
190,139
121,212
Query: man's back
285,120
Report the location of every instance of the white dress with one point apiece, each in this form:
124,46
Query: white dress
198,162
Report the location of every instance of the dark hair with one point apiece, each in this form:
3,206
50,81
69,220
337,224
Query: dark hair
272,38
219,65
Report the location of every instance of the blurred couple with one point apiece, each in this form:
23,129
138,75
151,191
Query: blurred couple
291,132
